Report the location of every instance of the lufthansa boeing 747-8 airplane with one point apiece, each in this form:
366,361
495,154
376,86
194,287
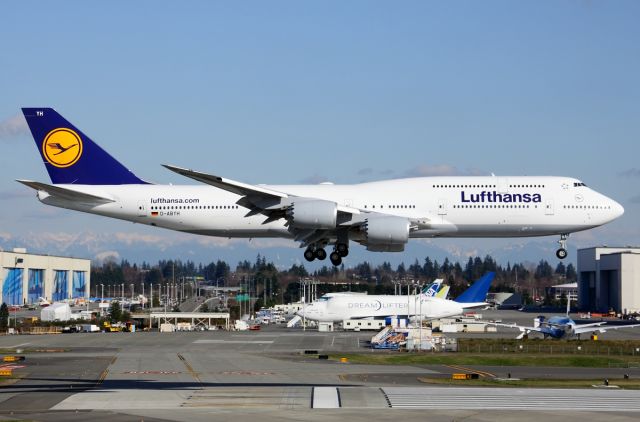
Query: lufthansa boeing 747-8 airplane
382,216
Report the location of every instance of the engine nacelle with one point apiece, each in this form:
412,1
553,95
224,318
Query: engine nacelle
386,234
313,214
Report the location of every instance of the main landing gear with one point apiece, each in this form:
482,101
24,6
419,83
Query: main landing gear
312,253
562,252
340,250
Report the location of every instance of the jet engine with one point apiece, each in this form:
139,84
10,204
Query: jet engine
386,233
312,214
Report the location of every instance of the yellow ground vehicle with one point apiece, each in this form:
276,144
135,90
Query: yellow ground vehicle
112,328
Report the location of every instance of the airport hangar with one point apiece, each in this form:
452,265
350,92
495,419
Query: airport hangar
28,277
609,279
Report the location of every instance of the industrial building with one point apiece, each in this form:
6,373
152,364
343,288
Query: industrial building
609,279
28,277
567,290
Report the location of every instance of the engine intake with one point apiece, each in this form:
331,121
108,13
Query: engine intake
386,234
313,214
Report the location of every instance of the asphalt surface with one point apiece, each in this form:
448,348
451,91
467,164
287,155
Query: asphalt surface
217,375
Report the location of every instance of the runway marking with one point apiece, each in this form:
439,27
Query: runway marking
152,372
477,371
325,398
104,373
189,368
468,398
233,342
12,366
16,346
250,373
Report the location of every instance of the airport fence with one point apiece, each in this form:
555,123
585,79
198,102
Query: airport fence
551,347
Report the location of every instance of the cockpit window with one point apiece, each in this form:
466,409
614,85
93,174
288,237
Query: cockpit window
323,299
576,184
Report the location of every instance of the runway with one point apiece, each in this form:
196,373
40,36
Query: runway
213,375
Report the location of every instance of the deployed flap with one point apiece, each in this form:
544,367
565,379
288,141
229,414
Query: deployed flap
238,188
66,193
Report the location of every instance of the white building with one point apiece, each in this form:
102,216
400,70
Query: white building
568,290
609,278
27,277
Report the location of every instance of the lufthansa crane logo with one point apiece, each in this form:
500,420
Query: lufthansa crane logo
62,147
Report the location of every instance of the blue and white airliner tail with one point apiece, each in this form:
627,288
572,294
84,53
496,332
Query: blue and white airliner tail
381,216
70,156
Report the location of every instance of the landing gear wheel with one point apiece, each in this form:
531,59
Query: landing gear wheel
309,255
321,254
561,253
342,249
335,258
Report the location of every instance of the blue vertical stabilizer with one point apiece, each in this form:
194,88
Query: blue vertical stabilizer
478,290
70,156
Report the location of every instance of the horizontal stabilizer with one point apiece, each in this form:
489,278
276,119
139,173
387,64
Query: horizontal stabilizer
67,193
478,291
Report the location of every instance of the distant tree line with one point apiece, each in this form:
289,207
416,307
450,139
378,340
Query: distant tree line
265,280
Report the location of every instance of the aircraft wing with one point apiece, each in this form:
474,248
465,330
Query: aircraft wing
274,205
66,193
601,327
514,325
239,188
524,330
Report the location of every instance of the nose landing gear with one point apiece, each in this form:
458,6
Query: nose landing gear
562,252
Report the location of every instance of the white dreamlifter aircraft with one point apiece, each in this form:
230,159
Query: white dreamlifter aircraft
382,216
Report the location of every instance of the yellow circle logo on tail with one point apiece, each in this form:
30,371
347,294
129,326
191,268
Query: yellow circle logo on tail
62,147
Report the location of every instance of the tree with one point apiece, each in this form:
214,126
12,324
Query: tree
115,311
203,308
4,317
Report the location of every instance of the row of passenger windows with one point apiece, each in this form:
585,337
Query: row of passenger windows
490,186
197,207
493,206
588,207
392,206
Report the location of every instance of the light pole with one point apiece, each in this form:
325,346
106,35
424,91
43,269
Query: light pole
102,291
132,292
151,297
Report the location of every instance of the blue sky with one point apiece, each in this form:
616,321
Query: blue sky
287,92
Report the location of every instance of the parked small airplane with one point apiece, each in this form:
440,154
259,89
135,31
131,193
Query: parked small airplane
337,308
562,326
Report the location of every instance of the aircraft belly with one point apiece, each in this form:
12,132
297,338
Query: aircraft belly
504,230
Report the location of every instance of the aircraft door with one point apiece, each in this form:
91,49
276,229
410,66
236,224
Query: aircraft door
142,209
442,206
503,185
548,207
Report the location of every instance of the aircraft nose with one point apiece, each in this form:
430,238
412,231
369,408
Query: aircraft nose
618,209
615,210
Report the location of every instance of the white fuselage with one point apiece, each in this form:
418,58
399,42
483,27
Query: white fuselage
450,206
343,307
